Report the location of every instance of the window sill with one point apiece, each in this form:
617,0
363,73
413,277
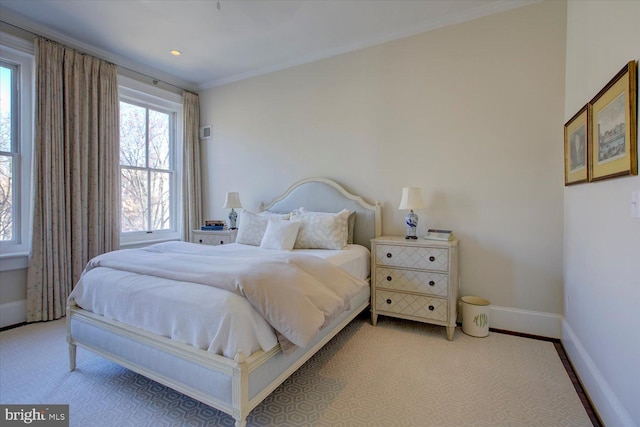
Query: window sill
142,244
16,261
20,261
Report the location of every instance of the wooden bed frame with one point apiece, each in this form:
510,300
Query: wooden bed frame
234,386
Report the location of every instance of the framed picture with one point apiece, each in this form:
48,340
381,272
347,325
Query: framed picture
576,148
613,130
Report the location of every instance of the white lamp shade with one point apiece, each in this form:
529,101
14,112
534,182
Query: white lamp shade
411,198
232,201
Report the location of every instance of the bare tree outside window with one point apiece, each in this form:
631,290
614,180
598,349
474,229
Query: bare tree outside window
146,168
8,152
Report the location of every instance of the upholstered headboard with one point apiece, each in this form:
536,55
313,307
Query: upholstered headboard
326,195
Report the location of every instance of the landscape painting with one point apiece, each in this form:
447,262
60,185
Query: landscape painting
611,131
612,135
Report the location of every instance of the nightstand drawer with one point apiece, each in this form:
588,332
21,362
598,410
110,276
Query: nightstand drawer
213,239
412,281
412,305
413,257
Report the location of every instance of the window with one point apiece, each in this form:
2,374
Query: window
16,118
9,154
149,153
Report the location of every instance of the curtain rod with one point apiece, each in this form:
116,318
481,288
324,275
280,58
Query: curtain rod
155,81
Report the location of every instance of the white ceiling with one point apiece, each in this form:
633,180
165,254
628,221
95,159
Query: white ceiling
242,38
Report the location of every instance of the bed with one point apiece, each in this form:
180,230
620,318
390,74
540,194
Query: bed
233,382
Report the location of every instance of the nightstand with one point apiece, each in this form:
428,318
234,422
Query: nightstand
415,280
214,237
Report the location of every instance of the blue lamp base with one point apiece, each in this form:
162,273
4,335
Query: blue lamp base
411,220
233,216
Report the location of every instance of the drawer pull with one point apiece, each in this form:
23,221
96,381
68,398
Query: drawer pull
389,278
431,308
389,255
389,301
222,242
432,258
432,283
200,240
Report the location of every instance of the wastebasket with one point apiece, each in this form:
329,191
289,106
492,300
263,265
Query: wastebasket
475,316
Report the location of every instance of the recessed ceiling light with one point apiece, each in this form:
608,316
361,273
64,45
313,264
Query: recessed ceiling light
176,53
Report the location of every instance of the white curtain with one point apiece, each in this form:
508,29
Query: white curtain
76,167
191,190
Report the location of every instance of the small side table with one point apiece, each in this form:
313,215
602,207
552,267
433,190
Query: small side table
415,280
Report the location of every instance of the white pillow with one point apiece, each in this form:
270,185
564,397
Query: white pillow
251,228
280,234
350,225
321,230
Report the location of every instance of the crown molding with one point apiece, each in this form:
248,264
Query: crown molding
429,25
148,90
17,43
19,21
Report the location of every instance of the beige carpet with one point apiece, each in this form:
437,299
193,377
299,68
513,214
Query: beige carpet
398,373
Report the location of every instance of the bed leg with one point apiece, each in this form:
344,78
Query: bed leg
240,389
72,357
72,346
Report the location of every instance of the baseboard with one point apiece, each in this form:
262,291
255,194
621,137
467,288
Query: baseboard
527,322
602,397
13,313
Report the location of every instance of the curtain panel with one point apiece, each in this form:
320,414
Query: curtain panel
191,190
76,173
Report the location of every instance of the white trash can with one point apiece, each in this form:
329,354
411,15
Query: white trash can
475,316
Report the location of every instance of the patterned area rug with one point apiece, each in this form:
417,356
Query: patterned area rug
398,373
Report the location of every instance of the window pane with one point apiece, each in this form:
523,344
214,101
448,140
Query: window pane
158,140
148,144
135,193
160,201
6,198
133,131
6,82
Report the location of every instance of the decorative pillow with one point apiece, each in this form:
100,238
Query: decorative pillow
350,225
251,228
280,234
321,230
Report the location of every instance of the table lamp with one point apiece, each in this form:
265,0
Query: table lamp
411,199
232,201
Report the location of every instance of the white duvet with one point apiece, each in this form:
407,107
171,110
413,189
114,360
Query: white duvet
224,301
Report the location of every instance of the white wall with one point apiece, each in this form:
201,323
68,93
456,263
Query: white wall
472,113
601,241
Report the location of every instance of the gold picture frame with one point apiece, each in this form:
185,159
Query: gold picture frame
613,129
576,148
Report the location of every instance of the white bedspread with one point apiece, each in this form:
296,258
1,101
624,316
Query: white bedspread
354,259
195,294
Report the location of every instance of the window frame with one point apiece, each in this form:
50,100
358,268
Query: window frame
16,53
146,96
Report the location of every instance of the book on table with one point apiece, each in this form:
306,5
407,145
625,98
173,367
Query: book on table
212,227
213,224
439,234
